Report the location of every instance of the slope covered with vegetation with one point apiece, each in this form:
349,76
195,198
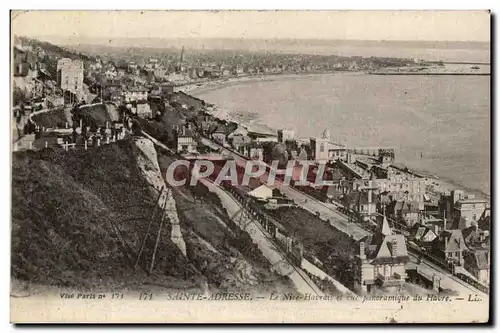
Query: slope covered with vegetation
70,213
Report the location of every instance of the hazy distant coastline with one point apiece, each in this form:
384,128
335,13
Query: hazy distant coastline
436,50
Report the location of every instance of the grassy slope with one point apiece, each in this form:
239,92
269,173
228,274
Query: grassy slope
96,115
329,245
55,117
62,208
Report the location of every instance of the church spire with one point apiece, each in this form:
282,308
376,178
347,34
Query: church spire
386,229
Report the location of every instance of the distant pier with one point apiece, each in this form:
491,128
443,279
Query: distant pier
428,73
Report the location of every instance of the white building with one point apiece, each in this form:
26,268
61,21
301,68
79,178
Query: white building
381,260
70,75
262,192
286,135
186,141
143,110
135,94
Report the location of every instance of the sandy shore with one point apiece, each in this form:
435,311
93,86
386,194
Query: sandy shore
201,87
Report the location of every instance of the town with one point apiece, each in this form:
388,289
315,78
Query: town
384,227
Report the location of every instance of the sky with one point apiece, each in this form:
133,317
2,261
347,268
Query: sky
348,25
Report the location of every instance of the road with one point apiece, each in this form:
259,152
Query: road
448,281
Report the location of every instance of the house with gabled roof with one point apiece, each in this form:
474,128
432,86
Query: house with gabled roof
381,260
423,235
475,236
220,135
477,262
407,212
449,246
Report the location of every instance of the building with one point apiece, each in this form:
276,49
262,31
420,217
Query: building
186,141
256,153
446,204
407,212
239,137
166,89
239,142
401,186
477,263
337,152
54,101
135,94
70,76
476,237
262,137
367,203
262,193
220,135
153,64
320,147
422,235
468,211
450,246
144,110
132,66
239,131
110,74
381,260
285,135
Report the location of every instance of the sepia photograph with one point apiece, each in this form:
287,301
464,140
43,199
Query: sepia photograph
243,166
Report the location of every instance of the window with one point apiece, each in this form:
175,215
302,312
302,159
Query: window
474,217
322,148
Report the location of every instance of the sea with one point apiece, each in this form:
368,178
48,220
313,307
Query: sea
437,124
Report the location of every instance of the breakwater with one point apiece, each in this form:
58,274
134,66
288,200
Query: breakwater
428,73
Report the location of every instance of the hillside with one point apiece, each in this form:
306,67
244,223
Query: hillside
66,210
71,210
50,49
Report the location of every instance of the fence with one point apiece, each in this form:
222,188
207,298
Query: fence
288,245
473,282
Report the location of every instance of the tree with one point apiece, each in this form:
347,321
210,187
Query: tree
19,97
136,128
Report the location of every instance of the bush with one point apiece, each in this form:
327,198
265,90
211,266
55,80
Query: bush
136,128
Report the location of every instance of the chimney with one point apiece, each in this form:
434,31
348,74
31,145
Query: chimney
444,221
81,123
362,254
394,251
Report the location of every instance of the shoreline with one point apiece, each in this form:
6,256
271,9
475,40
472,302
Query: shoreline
439,183
203,87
